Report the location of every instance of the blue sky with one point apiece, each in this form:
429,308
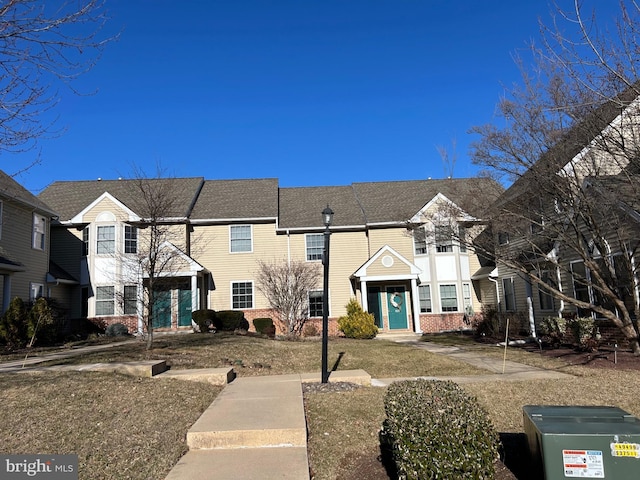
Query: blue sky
313,92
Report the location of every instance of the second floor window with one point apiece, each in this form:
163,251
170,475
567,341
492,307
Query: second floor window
240,238
85,241
444,240
130,239
315,246
39,228
419,241
106,239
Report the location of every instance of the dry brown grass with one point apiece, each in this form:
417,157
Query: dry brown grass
255,355
120,427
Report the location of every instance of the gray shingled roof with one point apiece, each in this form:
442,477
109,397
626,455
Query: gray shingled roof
231,199
380,202
302,207
10,189
71,197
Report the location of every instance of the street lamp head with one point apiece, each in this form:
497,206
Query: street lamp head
327,216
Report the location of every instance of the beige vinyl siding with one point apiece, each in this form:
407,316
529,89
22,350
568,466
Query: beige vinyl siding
227,267
348,252
16,241
397,238
105,205
66,249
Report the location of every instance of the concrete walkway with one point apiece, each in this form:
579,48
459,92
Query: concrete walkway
256,427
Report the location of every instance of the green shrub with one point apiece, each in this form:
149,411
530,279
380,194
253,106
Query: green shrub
41,323
261,324
230,320
553,329
357,323
13,325
116,330
203,318
434,429
583,330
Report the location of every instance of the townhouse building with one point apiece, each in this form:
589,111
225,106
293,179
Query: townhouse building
398,247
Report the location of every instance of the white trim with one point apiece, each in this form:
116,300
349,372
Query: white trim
253,295
250,238
418,217
414,271
106,195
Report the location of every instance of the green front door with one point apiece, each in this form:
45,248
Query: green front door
373,302
397,307
162,309
184,308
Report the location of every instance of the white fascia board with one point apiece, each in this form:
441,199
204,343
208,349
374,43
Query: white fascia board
223,221
319,229
440,198
415,271
387,278
133,217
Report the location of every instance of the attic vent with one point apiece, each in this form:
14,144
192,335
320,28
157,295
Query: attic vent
387,261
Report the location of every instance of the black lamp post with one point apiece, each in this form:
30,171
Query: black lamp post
327,218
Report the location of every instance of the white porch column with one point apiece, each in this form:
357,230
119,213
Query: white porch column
416,306
195,299
363,294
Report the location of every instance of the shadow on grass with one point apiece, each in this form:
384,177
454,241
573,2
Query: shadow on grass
337,364
515,456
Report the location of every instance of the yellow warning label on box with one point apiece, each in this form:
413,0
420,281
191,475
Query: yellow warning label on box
625,450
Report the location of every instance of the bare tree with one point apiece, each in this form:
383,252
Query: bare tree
42,45
568,142
164,241
286,285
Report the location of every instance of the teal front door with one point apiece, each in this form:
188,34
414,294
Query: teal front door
184,308
162,309
397,307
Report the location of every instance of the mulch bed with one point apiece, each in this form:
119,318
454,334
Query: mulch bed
603,358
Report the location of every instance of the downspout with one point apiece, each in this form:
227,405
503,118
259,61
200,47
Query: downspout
288,247
498,304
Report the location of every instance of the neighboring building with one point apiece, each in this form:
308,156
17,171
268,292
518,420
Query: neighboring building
389,247
575,207
24,244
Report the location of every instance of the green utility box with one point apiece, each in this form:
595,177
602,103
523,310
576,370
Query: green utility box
582,442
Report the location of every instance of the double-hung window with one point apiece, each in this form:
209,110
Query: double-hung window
509,294
444,240
315,303
315,246
130,239
466,299
546,300
424,293
105,301
130,306
106,242
242,295
85,241
419,241
448,298
240,238
39,229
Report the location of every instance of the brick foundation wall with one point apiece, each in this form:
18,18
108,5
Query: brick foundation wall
442,322
130,321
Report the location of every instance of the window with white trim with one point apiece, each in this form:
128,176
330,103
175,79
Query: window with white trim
466,299
130,239
106,241
85,241
546,299
314,246
130,304
316,298
509,294
503,238
419,241
444,240
105,301
36,291
448,298
424,294
240,239
39,229
241,295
